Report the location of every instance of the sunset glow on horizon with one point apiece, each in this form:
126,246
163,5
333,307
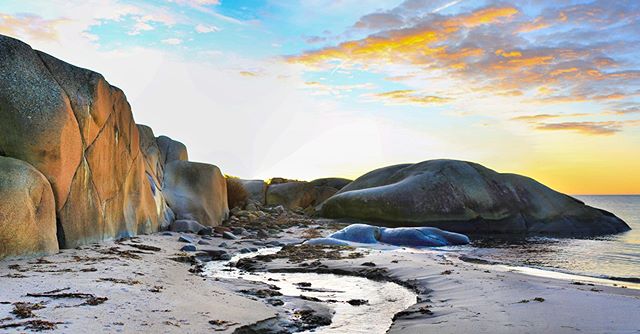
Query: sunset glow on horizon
319,88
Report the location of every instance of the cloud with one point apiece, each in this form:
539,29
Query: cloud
319,88
542,117
587,128
408,96
172,41
31,25
566,54
203,29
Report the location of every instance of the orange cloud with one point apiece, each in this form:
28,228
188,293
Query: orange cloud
409,96
542,117
408,45
30,25
587,128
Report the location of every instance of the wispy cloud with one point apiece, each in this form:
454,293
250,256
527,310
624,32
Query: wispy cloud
172,41
408,96
587,128
31,25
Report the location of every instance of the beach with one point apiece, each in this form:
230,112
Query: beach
162,289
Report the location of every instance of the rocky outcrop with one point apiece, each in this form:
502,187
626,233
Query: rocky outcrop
106,174
468,198
196,191
302,194
78,130
27,211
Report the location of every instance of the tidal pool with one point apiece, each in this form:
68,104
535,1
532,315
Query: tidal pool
385,299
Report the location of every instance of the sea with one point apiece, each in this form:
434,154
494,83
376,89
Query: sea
614,257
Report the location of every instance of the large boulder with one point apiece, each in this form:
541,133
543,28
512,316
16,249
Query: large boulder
256,190
171,150
27,211
302,194
468,198
196,191
295,194
78,131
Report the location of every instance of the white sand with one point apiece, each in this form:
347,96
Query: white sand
185,304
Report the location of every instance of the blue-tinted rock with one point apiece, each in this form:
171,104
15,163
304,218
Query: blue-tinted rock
188,248
421,237
362,233
401,236
327,242
245,251
203,242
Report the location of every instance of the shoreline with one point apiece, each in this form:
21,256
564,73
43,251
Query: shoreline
134,278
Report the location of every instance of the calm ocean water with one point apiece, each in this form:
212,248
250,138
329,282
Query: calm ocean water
616,256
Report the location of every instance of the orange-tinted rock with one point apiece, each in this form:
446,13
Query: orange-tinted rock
196,191
27,211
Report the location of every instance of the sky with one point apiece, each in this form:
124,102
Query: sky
315,88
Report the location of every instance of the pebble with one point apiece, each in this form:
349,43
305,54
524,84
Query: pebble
188,248
203,242
186,239
229,235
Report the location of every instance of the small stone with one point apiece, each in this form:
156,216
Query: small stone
229,235
245,251
186,239
253,249
188,248
239,231
223,245
166,234
203,242
206,231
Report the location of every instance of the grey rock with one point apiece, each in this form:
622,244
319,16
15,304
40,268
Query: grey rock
229,235
188,248
203,242
186,226
184,238
467,198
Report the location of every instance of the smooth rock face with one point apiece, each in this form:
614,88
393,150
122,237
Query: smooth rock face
37,124
196,191
291,194
27,211
468,198
257,190
401,236
78,131
171,150
154,168
301,194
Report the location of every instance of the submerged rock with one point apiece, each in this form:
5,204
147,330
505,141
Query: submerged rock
401,236
468,198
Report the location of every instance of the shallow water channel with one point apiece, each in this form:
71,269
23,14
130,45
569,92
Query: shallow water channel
384,298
